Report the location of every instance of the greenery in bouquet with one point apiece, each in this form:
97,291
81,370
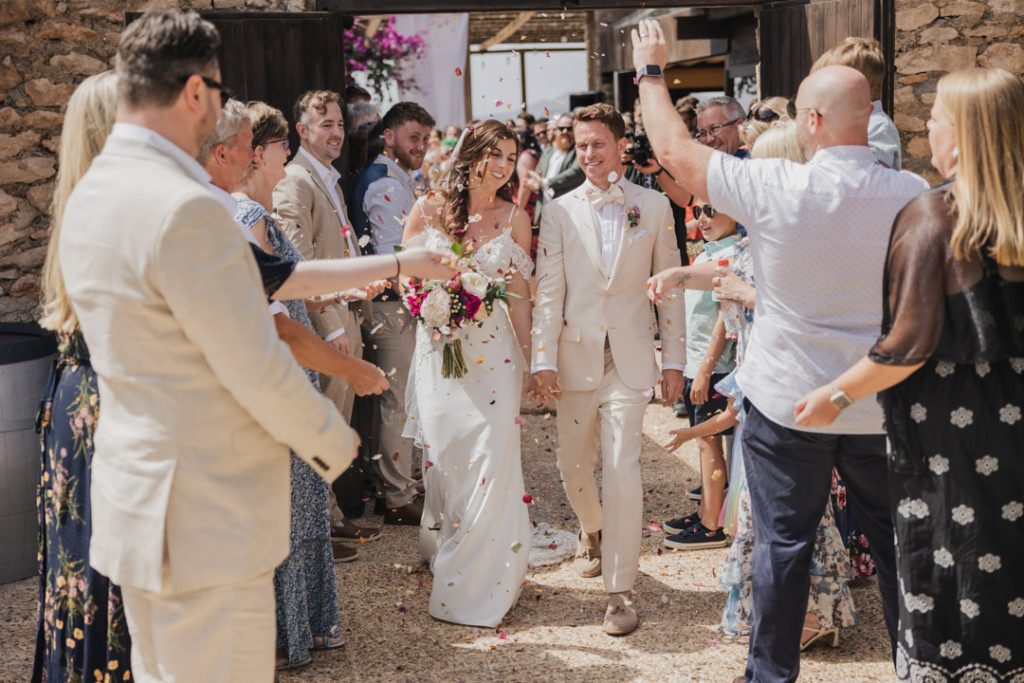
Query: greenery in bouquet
381,55
448,307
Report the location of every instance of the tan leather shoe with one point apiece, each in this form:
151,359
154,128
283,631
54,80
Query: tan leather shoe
620,618
588,555
344,553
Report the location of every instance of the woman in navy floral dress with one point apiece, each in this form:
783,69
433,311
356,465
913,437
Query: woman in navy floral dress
82,634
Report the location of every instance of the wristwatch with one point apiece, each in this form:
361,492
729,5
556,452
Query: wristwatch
839,398
648,70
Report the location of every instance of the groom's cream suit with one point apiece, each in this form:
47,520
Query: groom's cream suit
200,402
594,324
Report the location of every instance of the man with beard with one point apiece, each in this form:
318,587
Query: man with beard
383,195
557,171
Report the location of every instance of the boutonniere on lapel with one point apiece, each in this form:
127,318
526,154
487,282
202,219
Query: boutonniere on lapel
633,216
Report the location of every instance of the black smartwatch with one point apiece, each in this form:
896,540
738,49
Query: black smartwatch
648,70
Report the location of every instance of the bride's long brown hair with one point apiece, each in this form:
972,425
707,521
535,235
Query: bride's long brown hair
466,170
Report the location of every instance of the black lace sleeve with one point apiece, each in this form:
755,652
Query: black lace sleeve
273,271
915,290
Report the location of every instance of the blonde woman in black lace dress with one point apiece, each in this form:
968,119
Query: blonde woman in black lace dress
950,364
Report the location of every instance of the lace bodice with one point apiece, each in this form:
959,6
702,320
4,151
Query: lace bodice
494,258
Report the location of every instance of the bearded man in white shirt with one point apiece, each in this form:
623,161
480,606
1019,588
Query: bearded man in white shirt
819,234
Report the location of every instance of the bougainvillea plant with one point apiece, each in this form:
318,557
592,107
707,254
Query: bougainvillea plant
381,56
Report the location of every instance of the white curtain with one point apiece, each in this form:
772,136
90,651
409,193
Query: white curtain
439,88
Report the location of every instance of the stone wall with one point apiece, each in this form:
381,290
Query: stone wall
937,36
47,47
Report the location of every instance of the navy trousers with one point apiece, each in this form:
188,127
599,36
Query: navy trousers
789,474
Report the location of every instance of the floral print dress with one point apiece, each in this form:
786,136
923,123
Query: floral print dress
82,634
305,588
956,463
830,598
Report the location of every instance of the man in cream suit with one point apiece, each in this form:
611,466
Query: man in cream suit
190,488
593,348
314,216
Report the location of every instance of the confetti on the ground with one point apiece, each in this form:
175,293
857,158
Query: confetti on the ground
527,498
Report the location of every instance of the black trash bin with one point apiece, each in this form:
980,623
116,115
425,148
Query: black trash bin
26,355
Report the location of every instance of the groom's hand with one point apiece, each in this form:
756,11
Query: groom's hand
671,386
546,386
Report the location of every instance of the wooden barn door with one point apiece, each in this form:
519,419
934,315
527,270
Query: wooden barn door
276,56
794,33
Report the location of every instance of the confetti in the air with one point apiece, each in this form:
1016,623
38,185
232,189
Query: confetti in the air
458,71
527,498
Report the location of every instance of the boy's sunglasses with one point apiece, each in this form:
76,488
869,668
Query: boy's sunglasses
704,210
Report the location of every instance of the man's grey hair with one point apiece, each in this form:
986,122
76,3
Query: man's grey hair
233,119
359,113
733,108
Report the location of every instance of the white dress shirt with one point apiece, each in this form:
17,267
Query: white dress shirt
387,203
608,221
819,234
883,137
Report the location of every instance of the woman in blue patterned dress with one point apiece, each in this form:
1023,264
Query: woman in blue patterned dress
305,588
82,634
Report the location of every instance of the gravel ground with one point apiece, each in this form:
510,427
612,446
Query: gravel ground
554,631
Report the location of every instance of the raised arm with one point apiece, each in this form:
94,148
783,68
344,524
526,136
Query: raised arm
684,157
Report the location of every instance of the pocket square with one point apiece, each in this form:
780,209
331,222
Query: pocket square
641,233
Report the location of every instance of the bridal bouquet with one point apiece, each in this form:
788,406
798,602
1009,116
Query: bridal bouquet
450,306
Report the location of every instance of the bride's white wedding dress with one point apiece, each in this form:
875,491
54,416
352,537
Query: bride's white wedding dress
476,530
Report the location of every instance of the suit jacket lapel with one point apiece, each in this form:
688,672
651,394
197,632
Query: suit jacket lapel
584,219
628,233
319,182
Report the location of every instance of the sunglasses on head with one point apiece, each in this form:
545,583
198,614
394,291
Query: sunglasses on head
764,114
705,210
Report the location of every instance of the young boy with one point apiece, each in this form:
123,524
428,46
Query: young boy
865,55
710,356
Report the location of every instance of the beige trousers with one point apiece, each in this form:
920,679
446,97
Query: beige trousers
607,420
224,634
394,338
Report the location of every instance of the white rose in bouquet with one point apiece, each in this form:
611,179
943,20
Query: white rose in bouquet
437,308
475,283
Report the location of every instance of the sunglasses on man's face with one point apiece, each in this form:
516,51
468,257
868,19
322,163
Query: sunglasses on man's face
225,92
705,210
564,129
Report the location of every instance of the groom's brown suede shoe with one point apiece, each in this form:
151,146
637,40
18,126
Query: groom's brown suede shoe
588,555
620,618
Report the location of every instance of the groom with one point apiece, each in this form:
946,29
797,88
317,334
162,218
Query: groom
593,347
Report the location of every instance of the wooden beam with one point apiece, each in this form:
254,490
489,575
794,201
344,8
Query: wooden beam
507,31
428,6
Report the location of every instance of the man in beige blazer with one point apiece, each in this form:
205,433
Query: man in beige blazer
201,401
314,216
593,348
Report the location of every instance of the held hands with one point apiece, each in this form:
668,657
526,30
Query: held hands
671,386
816,409
649,45
544,387
426,263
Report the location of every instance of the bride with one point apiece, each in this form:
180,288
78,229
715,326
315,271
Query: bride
476,529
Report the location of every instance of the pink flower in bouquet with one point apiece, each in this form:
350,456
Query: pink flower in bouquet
470,303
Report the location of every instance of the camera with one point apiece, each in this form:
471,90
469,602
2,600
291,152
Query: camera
640,148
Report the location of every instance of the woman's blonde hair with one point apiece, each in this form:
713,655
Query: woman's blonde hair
985,106
87,123
754,127
779,142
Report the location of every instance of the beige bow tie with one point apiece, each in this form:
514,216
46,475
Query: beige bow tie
614,195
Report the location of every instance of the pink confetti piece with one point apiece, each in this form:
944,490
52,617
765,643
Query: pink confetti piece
527,498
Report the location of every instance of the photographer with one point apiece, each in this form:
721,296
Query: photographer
642,168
